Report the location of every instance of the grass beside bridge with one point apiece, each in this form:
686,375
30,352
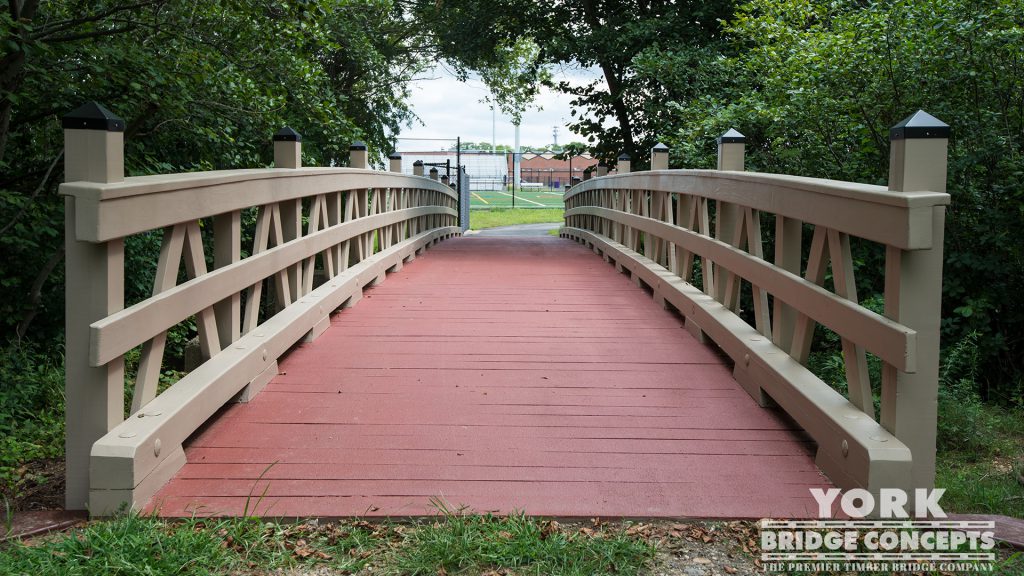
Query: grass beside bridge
453,543
480,219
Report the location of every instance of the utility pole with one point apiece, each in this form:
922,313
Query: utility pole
458,177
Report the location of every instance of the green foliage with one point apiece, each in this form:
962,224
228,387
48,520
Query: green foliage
31,414
815,85
964,423
461,543
201,85
626,111
981,446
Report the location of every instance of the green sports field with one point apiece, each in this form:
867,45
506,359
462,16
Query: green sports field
526,198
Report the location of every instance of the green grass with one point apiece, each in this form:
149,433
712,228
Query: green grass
454,544
526,198
139,545
985,476
480,219
463,543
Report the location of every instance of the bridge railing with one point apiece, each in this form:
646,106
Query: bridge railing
697,238
320,235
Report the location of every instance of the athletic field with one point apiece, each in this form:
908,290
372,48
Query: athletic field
527,198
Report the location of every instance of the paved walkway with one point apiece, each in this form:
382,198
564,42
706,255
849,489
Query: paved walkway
520,230
501,374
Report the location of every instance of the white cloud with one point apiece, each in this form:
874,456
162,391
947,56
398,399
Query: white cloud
449,108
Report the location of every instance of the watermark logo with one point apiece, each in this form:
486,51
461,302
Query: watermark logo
883,533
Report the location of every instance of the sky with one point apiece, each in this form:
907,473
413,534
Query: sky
449,108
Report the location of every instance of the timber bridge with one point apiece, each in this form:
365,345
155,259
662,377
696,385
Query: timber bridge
362,357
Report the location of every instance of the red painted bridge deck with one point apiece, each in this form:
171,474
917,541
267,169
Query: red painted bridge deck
500,374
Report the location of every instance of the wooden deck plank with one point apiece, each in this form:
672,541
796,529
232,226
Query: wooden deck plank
501,374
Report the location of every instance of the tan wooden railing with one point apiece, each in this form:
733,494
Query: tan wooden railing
321,235
666,226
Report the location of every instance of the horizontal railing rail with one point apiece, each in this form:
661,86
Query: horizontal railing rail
319,236
696,238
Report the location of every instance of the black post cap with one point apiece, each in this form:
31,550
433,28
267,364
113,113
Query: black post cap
418,163
358,145
660,148
287,134
395,156
920,124
92,116
433,170
602,164
732,137
624,157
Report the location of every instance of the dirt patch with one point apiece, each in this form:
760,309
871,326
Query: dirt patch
39,487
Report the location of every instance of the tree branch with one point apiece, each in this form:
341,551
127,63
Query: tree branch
36,192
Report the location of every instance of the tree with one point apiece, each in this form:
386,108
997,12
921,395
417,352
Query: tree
202,85
815,86
604,34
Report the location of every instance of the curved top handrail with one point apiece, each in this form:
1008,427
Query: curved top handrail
140,203
901,219
696,182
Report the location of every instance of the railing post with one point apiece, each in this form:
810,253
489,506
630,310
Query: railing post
287,148
788,250
602,169
395,162
659,157
94,289
913,293
622,166
586,173
731,147
288,154
433,173
227,249
357,157
417,168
